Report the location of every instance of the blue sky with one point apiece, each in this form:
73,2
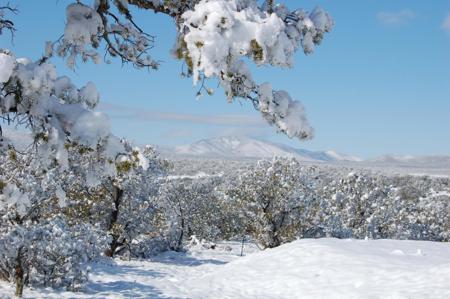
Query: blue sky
379,83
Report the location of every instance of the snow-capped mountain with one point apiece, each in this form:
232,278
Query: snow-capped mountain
246,147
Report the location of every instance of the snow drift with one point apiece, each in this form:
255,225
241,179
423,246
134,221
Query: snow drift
309,268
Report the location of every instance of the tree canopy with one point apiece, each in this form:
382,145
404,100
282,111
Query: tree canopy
216,39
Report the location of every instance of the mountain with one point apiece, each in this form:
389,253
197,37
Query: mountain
250,148
411,161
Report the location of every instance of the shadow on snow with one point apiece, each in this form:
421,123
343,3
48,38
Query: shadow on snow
121,281
183,259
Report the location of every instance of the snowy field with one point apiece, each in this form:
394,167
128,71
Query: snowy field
309,268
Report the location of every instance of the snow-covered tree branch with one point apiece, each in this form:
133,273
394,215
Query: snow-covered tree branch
215,40
6,23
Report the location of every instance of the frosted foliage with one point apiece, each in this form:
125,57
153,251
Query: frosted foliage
280,200
191,207
288,115
219,31
91,127
55,219
6,67
87,26
50,254
13,198
322,21
53,108
225,31
216,38
38,238
272,197
90,95
61,195
119,200
83,26
216,34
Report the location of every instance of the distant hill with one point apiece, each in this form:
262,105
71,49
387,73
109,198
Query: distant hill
250,148
240,148
442,162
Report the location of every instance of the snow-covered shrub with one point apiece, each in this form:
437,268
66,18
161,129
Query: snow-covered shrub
276,201
121,201
352,203
134,191
191,206
422,208
311,201
39,244
101,205
361,204
91,205
49,253
148,245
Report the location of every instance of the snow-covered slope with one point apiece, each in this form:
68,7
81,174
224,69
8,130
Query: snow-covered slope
309,268
331,268
245,147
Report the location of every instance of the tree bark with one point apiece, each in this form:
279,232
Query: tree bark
19,274
180,238
118,194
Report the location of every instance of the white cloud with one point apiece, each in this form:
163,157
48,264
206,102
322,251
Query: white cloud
252,131
177,134
117,111
396,18
446,23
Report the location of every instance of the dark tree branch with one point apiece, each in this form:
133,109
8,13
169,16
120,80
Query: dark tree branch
6,23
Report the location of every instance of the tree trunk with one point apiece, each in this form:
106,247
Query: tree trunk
113,246
118,194
274,239
180,238
19,274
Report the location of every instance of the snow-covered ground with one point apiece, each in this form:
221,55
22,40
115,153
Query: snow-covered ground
310,268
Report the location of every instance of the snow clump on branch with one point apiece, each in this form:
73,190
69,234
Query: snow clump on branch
52,107
216,35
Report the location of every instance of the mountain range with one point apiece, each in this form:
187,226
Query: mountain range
233,147
237,148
